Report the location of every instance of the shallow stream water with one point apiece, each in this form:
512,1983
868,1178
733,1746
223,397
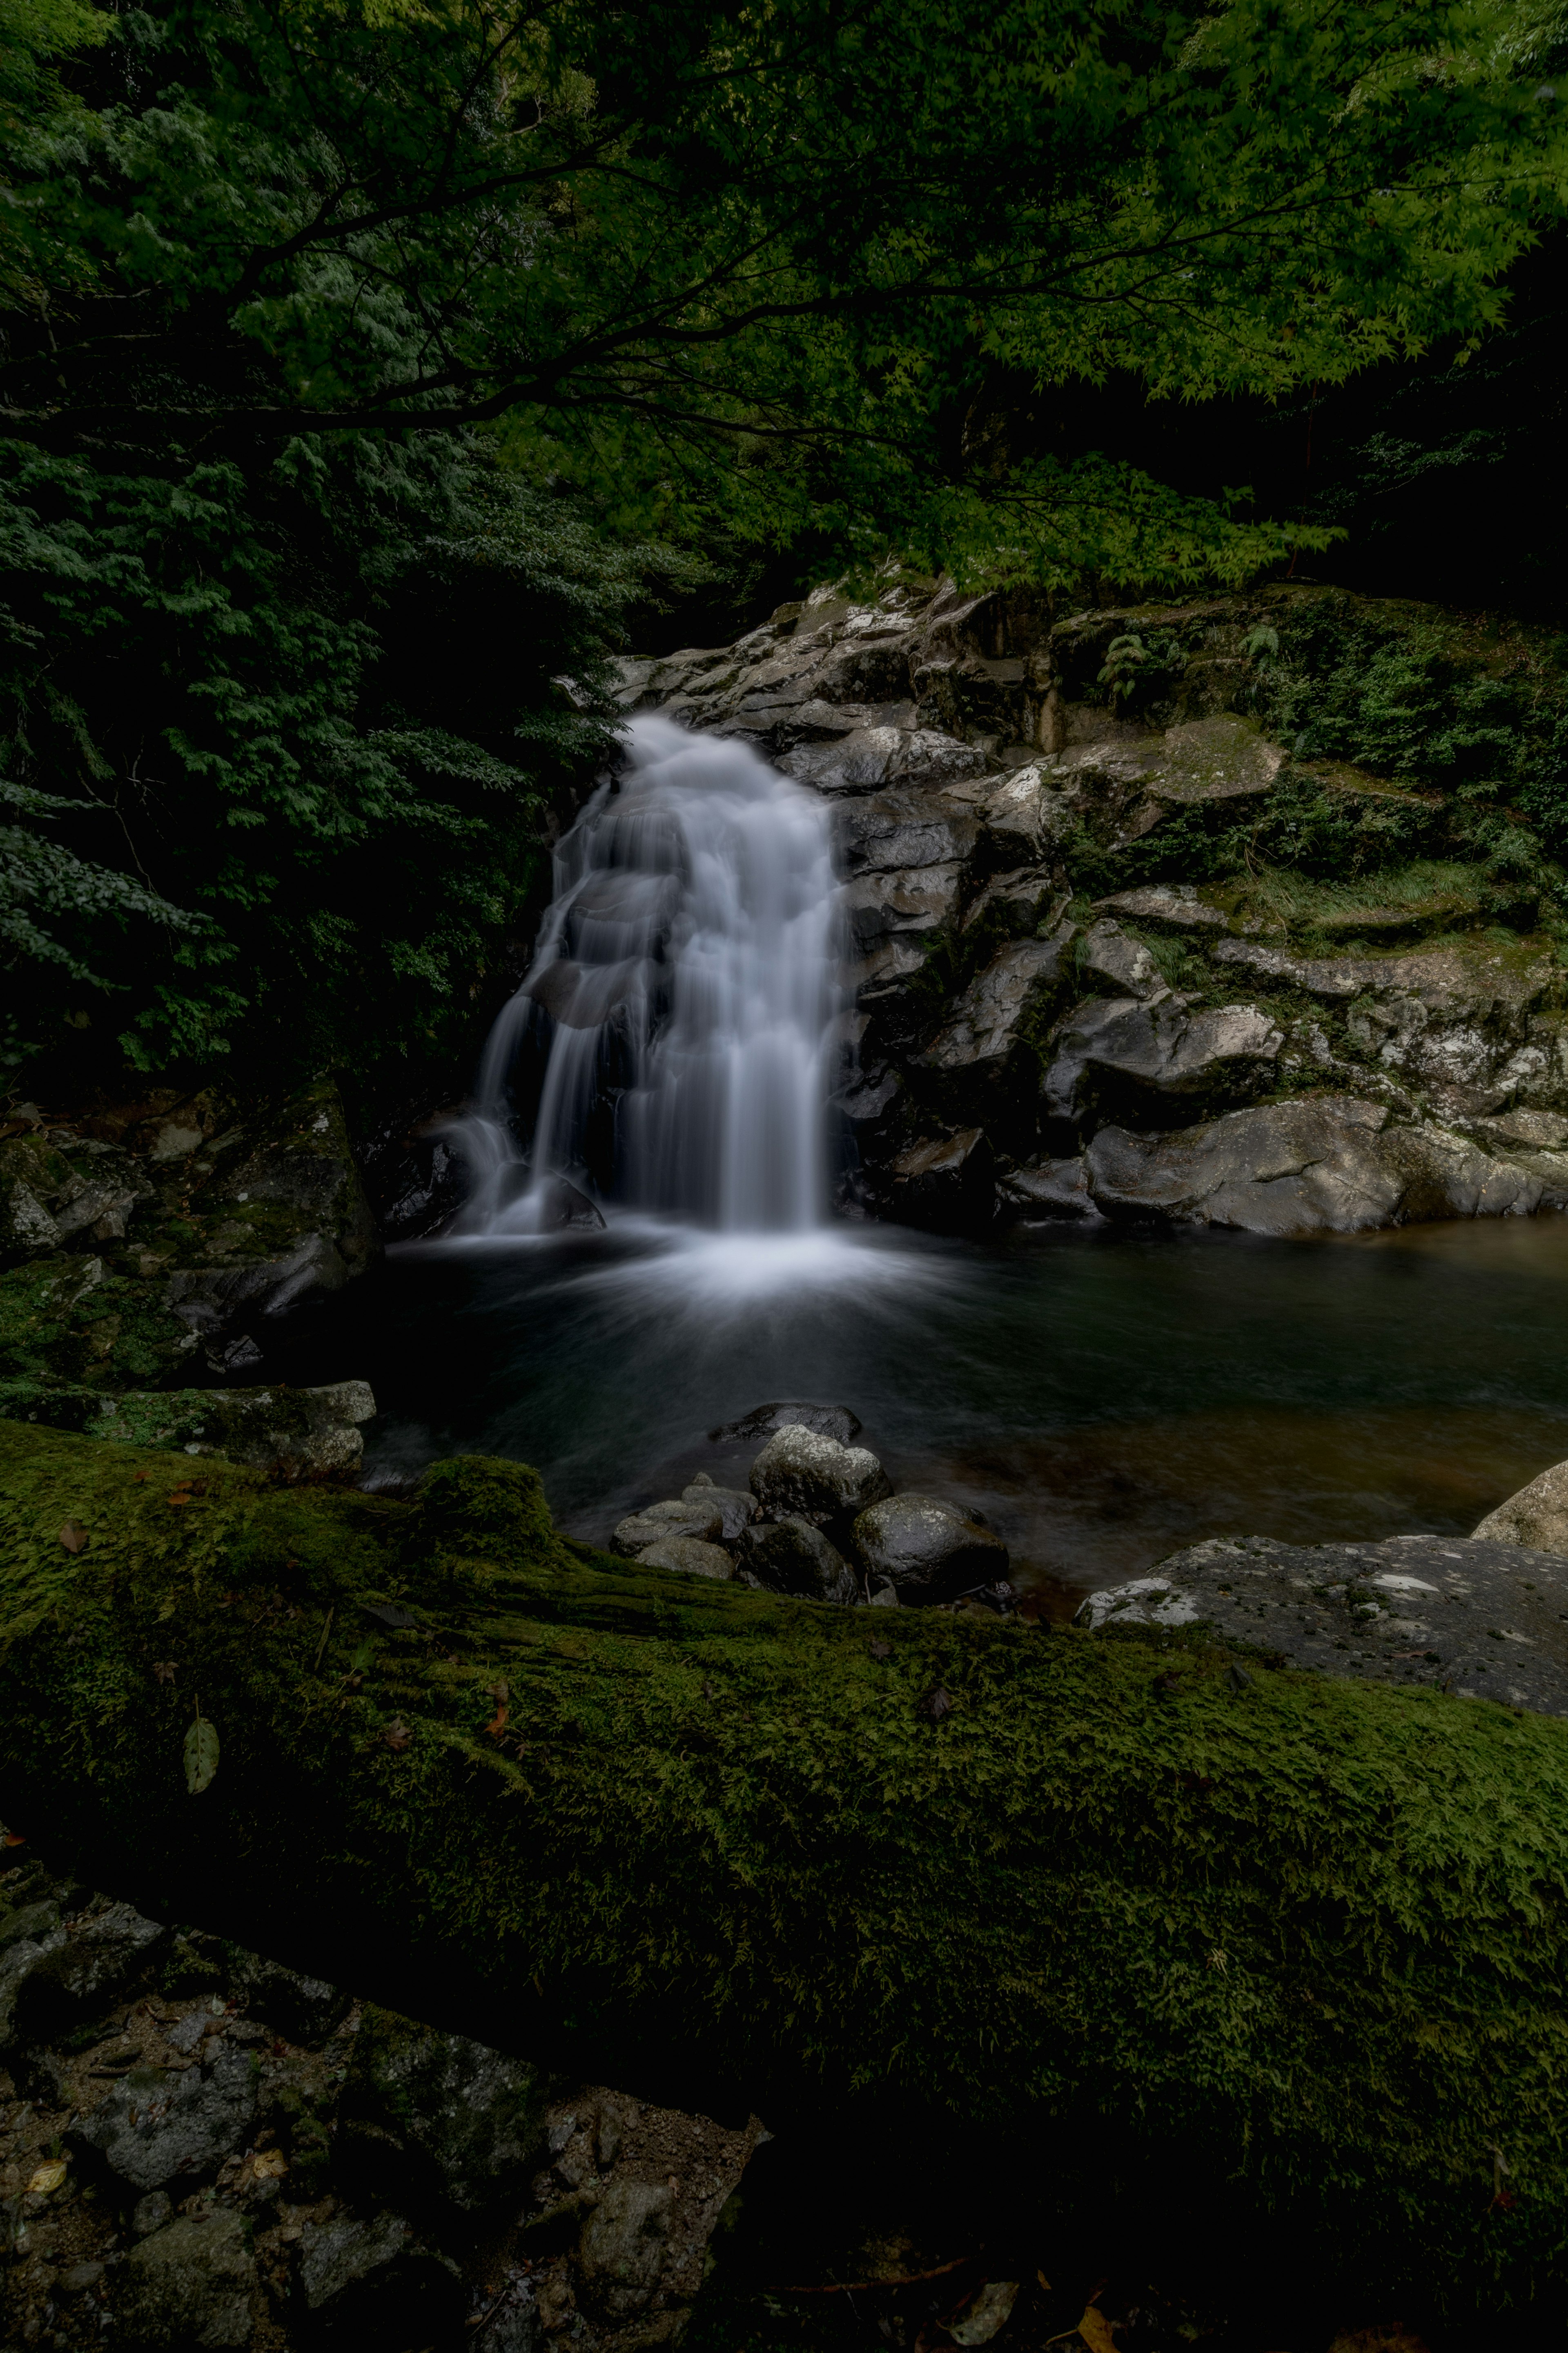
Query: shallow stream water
1104,1397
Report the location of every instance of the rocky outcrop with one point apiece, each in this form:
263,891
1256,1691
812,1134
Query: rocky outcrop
295,1432
145,1241
1469,1614
244,2165
1536,1517
1005,1020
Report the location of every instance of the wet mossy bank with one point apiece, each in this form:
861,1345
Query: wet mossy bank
1290,1942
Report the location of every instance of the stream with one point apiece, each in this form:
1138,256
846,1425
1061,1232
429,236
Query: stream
1103,1395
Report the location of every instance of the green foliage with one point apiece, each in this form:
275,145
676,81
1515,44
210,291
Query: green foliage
1131,666
1311,1935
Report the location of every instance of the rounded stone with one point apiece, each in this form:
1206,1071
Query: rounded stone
926,1548
702,1520
688,1555
801,1475
189,2283
792,1556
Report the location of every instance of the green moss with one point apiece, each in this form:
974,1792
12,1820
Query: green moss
1310,1939
71,1319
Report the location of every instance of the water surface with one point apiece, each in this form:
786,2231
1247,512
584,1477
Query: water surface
1104,1397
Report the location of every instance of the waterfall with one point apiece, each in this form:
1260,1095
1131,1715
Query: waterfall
678,1017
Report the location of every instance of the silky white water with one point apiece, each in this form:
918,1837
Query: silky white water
683,1000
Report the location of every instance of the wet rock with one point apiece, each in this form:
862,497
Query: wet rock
1033,812
1049,1188
873,756
1105,953
19,1956
689,1556
1536,1516
999,1020
893,915
947,1183
1022,905
420,1180
1313,1164
736,1510
1216,758
1465,1614
927,1550
834,1421
304,2009
108,1950
624,2246
801,1475
903,829
369,2281
467,2121
794,1557
293,1432
1177,905
561,1208
1117,1054
188,2284
700,1523
157,2125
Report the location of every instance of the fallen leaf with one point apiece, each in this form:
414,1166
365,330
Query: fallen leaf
497,1724
180,1495
15,1838
1096,2331
397,1735
989,2312
201,1756
270,2165
936,1703
165,1670
139,1478
387,1614
880,1649
73,1535
499,1692
1044,2281
48,2177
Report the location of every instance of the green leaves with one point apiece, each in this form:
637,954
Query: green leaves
201,1755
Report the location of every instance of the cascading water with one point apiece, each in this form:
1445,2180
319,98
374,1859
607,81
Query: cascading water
682,1005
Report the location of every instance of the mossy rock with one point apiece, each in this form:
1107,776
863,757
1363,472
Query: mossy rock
1287,1943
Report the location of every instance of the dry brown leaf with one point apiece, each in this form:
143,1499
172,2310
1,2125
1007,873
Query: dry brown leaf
48,2177
397,1735
165,1670
497,1724
269,2165
73,1535
1096,2331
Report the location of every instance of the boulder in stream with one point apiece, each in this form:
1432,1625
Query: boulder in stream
926,1548
830,1421
801,1474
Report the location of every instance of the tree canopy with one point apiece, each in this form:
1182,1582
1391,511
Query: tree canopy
355,352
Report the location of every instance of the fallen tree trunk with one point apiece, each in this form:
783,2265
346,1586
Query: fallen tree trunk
1310,1936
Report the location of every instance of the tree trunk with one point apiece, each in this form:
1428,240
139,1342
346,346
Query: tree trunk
1101,1893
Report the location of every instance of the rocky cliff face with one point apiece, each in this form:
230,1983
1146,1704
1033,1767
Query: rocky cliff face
1059,1012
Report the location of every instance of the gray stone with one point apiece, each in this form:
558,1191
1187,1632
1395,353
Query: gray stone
905,827
689,1556
834,1421
927,1548
701,1523
736,1510
28,1921
1116,1052
1481,1620
188,2284
1176,903
158,2124
367,2280
1050,1188
1311,1164
910,907
561,1207
1105,953
469,2121
994,1017
947,1183
794,1557
58,1190
873,756
1032,813
801,1475
150,2214
1216,758
1535,1516
624,2246
108,1948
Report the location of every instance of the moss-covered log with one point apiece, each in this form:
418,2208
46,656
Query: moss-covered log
1309,1934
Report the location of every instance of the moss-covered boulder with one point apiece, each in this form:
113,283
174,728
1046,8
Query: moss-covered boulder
294,1431
1276,1938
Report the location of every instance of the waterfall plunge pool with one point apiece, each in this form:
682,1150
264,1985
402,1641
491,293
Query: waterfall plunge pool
1104,1396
